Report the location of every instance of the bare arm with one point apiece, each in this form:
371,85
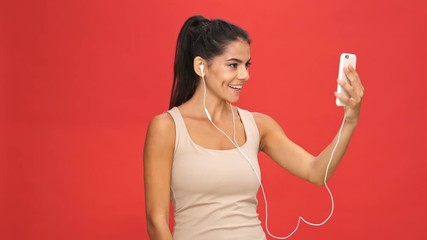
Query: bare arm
158,157
298,161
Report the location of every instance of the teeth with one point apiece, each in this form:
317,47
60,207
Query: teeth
236,87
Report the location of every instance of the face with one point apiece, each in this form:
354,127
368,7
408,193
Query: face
228,72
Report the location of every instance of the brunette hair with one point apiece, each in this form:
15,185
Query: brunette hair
199,37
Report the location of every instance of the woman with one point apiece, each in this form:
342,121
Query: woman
189,153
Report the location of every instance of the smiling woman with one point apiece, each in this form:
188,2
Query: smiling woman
203,153
201,41
229,70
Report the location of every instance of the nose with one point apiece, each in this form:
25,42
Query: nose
243,73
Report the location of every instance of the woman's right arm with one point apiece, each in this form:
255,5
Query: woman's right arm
158,157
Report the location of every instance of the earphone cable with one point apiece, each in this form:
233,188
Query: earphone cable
300,218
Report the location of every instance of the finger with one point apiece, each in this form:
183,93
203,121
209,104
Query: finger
355,82
351,74
348,100
353,77
347,87
342,97
357,88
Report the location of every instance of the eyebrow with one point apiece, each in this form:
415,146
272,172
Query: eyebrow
237,60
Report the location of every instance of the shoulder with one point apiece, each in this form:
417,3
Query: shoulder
257,116
263,121
161,127
162,122
266,124
270,131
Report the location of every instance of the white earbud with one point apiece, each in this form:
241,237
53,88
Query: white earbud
204,92
202,70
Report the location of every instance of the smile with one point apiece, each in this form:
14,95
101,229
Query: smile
235,87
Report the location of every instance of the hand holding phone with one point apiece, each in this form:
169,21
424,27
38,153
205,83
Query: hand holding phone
345,60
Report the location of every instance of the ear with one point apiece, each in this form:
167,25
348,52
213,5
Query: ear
196,65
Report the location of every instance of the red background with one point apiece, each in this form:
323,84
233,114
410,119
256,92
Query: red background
81,79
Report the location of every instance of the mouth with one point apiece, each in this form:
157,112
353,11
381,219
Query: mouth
236,87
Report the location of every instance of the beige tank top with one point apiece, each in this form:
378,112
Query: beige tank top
214,191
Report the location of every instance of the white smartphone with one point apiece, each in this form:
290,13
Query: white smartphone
345,60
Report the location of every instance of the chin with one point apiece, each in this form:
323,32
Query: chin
233,100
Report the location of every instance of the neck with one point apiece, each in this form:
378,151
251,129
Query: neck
217,108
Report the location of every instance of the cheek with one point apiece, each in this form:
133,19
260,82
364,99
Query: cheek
226,75
222,75
217,77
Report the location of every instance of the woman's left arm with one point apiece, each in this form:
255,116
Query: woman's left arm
298,161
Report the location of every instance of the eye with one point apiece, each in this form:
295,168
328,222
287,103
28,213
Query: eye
248,64
233,65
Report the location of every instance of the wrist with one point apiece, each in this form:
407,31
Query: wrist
351,121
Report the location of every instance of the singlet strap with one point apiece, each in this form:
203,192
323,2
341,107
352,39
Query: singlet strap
251,128
182,138
180,128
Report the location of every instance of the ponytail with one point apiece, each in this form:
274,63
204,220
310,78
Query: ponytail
199,37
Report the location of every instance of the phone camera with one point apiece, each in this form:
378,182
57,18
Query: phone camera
346,56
